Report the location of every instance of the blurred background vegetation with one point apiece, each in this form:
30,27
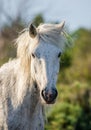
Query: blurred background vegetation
72,110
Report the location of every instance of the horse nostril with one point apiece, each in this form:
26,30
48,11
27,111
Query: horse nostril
55,92
49,95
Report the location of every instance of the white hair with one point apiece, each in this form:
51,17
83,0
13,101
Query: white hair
49,33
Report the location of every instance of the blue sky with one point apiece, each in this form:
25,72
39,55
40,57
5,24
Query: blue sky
76,13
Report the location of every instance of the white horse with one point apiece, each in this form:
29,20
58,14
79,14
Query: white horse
29,81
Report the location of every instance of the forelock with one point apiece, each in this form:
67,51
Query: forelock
50,33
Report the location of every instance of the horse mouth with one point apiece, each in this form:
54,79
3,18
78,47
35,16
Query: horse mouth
50,102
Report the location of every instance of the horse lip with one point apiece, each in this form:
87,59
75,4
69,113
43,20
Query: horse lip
51,102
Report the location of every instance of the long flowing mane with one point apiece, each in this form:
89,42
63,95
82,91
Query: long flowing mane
50,33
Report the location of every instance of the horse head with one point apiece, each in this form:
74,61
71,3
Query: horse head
45,58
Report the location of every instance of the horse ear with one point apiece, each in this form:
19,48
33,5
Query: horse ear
32,31
61,25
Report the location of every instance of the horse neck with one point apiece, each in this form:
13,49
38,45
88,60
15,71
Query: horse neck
33,106
28,96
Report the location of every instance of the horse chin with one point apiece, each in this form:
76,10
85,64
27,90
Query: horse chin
47,103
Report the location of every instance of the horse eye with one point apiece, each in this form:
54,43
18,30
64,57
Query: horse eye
59,55
33,55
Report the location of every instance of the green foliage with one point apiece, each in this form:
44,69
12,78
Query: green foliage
38,19
73,109
65,115
84,120
7,37
76,63
66,59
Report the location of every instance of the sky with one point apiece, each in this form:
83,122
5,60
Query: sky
76,13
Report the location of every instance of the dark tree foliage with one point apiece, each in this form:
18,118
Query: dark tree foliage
38,19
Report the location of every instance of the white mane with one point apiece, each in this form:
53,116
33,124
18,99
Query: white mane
49,33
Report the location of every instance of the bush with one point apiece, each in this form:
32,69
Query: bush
73,109
64,117
66,59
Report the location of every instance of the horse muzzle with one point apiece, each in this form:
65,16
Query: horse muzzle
49,95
